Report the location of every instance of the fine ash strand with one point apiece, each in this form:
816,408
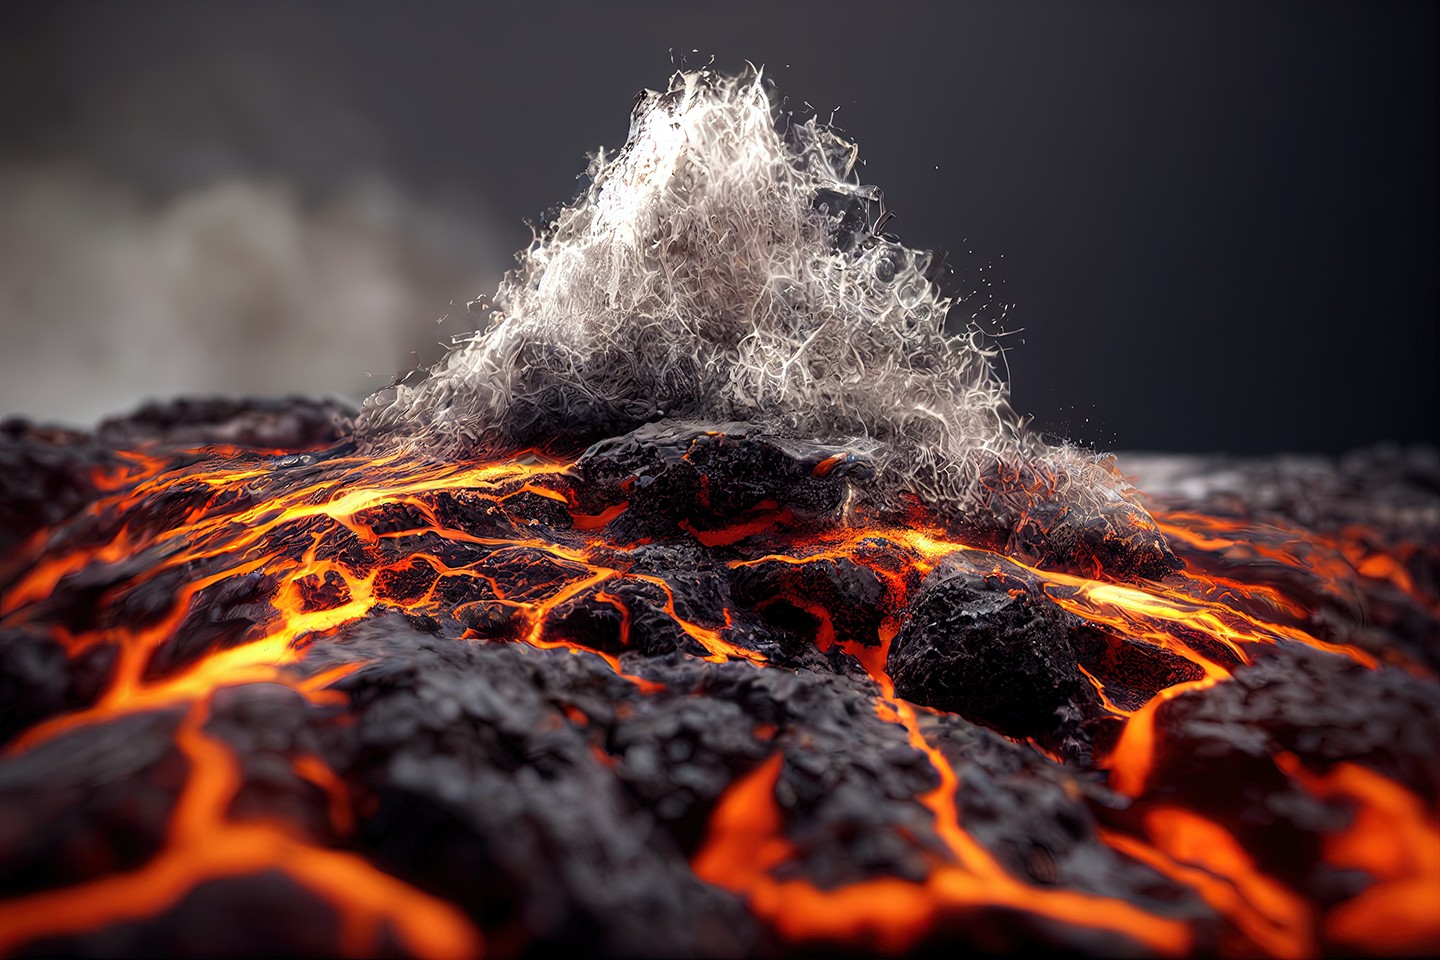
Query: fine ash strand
724,267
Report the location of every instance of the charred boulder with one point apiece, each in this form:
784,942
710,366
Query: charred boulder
992,648
718,483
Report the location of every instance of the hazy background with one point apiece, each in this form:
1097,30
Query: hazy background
1216,223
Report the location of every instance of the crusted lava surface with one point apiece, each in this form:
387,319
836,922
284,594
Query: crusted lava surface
683,696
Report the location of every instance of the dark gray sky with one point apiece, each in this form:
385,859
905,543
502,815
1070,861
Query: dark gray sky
1216,222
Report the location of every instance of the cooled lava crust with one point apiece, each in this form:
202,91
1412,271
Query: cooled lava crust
679,697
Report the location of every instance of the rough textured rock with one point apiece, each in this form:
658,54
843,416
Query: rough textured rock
992,648
720,483
530,704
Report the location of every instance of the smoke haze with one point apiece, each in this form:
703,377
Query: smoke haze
235,287
216,219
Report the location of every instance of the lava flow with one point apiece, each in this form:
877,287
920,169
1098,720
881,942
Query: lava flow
1032,762
712,602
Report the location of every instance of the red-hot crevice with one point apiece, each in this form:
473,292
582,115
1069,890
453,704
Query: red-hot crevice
334,546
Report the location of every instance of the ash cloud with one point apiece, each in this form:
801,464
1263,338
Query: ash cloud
236,286
719,268
200,201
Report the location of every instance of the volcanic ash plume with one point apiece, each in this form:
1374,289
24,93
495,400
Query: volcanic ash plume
718,269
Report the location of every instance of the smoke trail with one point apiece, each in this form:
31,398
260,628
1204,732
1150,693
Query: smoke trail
720,269
235,286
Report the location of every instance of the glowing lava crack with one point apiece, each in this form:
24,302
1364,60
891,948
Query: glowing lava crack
790,659
439,709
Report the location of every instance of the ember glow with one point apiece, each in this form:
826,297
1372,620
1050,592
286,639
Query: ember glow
511,553
707,687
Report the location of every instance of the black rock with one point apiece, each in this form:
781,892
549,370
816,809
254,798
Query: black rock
992,648
719,484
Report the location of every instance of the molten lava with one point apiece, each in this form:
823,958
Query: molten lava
200,571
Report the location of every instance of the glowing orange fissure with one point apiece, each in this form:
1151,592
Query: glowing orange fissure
1204,856
746,842
204,844
1336,561
1395,839
248,512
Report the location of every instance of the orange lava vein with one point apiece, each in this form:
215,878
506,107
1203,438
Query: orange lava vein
241,520
203,844
746,844
1395,839
1205,857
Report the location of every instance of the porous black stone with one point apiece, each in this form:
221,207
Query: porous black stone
992,648
707,481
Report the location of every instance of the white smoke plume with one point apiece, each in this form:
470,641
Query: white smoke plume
720,269
235,286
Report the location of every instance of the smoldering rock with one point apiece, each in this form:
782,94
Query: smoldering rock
1378,505
1396,489
829,600
46,475
679,755
93,800
1057,844
274,732
849,789
1286,700
1220,745
217,919
1131,666
1026,513
992,648
522,784
484,790
717,482
631,616
39,678
850,779
559,803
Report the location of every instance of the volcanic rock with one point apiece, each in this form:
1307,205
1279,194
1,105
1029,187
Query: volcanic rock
992,648
641,704
719,483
